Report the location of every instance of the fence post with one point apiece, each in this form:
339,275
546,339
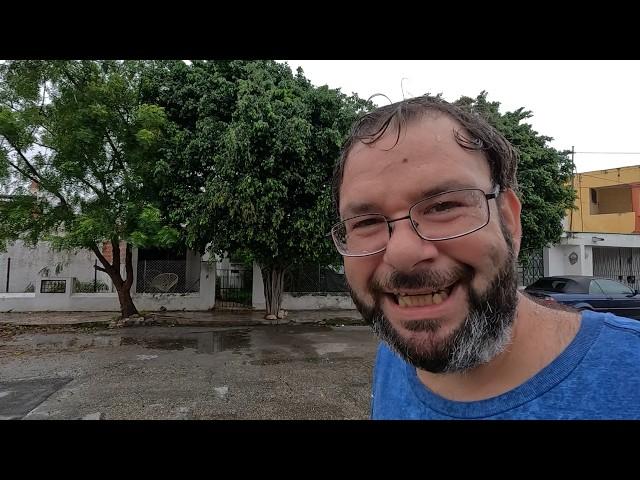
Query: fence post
8,270
95,276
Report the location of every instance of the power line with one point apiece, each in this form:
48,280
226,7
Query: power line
613,153
602,178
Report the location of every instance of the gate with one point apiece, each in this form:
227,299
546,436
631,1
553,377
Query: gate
618,263
233,288
532,270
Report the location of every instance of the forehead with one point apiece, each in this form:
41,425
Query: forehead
427,158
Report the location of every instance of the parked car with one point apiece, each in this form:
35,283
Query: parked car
588,293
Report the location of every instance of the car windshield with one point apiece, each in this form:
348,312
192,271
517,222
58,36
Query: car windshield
559,285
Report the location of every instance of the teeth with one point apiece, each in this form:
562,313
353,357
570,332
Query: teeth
436,298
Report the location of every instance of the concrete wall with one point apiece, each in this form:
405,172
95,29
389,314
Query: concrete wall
614,200
317,301
616,189
79,302
296,301
27,264
192,272
610,223
556,258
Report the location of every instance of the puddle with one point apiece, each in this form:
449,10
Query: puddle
205,342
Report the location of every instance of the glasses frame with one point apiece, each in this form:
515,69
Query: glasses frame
487,196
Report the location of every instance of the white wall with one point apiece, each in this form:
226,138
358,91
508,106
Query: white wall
192,272
96,302
26,263
312,301
556,258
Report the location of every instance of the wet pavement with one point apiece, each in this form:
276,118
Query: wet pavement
199,318
293,371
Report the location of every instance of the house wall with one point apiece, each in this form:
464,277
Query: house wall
26,268
27,264
296,301
557,258
618,201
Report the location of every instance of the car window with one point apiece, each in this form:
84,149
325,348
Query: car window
594,288
554,284
610,287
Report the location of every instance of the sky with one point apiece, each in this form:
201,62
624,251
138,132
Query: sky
591,105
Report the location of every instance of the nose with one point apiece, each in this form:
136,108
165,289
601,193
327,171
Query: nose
406,249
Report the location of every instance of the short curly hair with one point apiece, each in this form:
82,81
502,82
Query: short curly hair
476,134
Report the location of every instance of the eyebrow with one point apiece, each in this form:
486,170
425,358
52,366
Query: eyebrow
359,208
445,187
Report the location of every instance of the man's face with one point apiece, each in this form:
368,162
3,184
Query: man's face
459,294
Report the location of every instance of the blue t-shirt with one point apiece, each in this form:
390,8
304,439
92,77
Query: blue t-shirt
596,377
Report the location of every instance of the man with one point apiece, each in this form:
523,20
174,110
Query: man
430,232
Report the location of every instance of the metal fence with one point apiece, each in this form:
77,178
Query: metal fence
53,286
167,276
618,263
314,278
532,270
234,288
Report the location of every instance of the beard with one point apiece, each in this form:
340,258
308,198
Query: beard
484,333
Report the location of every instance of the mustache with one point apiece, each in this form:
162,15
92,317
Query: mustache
424,279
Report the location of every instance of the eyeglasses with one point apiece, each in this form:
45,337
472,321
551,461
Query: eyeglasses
444,216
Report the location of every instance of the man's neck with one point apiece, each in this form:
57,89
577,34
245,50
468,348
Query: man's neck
539,335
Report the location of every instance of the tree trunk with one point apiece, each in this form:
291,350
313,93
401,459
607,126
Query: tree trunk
273,278
123,287
127,308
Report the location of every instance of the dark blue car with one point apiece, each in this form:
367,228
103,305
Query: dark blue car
588,293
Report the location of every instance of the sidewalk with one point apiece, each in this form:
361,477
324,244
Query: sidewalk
201,318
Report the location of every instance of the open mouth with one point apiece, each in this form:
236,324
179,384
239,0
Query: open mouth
434,297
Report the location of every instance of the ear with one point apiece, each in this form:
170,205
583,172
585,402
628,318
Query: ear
510,207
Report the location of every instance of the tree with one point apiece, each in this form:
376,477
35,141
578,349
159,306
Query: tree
79,131
255,145
544,174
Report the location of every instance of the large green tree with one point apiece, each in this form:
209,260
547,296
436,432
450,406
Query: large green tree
80,132
544,174
255,145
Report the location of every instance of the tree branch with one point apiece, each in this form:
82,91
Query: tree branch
104,261
116,153
128,264
115,250
22,171
95,190
36,174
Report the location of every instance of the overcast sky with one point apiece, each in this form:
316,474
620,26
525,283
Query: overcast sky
592,105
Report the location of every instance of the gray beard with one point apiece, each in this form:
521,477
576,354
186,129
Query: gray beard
485,332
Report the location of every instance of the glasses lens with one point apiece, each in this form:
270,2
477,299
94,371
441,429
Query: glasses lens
450,214
361,235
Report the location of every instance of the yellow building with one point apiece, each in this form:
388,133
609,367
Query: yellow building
608,201
602,235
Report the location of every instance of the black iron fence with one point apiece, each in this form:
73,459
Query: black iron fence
53,286
531,269
314,278
234,288
168,276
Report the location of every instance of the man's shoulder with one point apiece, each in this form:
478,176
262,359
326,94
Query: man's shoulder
613,325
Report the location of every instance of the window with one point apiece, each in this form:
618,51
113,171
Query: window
554,284
613,288
594,288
